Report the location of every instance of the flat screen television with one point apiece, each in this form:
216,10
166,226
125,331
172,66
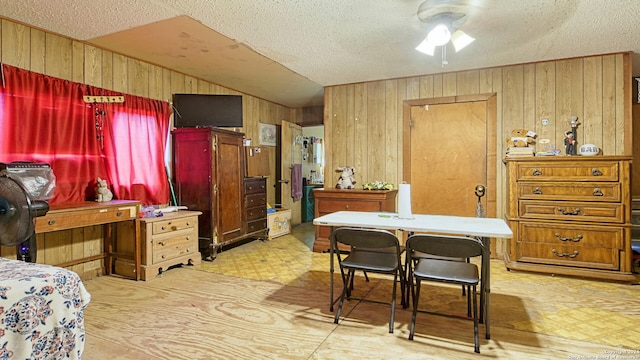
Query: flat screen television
204,110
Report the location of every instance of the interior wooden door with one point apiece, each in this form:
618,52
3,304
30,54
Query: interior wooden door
448,157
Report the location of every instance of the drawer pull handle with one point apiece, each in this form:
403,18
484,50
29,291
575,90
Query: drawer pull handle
161,243
119,213
596,172
575,239
537,191
346,207
537,172
597,192
569,255
568,212
51,222
163,228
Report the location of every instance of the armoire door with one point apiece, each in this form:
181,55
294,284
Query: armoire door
448,157
229,174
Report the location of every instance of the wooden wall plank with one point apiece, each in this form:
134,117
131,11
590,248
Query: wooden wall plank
58,56
16,44
339,148
513,99
92,66
77,62
137,78
360,141
545,94
468,82
591,123
107,69
392,126
120,73
449,84
569,96
375,169
37,52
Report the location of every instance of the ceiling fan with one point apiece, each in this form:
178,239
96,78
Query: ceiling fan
444,19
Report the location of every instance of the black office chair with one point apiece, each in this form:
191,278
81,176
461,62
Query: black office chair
446,271
372,251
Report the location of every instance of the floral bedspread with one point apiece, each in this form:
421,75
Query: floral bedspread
41,312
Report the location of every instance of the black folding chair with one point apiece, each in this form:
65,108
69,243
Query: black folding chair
372,251
452,272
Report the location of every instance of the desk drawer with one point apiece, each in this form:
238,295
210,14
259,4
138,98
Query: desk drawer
86,217
174,225
329,206
571,211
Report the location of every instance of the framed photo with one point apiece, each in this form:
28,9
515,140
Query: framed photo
267,134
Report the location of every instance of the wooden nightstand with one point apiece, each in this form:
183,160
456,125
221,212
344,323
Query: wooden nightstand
169,240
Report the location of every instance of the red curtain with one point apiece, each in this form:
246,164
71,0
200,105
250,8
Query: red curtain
45,119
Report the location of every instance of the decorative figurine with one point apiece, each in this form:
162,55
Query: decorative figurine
571,136
569,143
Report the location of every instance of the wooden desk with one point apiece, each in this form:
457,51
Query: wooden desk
80,214
484,228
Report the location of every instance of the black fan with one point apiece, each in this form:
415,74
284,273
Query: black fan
17,217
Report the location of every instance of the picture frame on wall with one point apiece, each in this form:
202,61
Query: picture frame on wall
266,134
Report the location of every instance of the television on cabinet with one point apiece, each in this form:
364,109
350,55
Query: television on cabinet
205,110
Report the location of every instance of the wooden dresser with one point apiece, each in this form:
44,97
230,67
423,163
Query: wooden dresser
168,240
570,215
255,206
331,200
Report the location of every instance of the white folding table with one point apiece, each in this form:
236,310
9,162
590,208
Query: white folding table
484,228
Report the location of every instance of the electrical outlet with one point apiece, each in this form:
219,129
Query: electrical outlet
545,122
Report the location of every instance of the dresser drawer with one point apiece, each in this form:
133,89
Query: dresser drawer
596,236
329,206
569,255
584,191
166,226
255,200
571,211
256,213
559,171
258,225
596,247
173,247
255,186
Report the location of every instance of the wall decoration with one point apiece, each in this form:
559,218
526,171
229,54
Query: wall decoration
267,134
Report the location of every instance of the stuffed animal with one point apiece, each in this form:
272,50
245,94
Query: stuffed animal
102,191
521,138
346,179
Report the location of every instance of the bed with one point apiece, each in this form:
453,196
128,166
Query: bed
41,311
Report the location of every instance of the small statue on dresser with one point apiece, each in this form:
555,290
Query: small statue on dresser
102,191
569,143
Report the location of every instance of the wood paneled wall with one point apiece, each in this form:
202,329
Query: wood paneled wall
363,121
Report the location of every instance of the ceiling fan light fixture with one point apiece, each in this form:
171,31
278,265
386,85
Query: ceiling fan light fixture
460,40
439,35
426,47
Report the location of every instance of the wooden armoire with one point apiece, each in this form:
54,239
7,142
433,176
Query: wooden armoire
209,172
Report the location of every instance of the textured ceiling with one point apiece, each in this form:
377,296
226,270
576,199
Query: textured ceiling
285,51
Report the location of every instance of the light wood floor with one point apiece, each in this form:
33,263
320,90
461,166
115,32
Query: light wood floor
269,300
